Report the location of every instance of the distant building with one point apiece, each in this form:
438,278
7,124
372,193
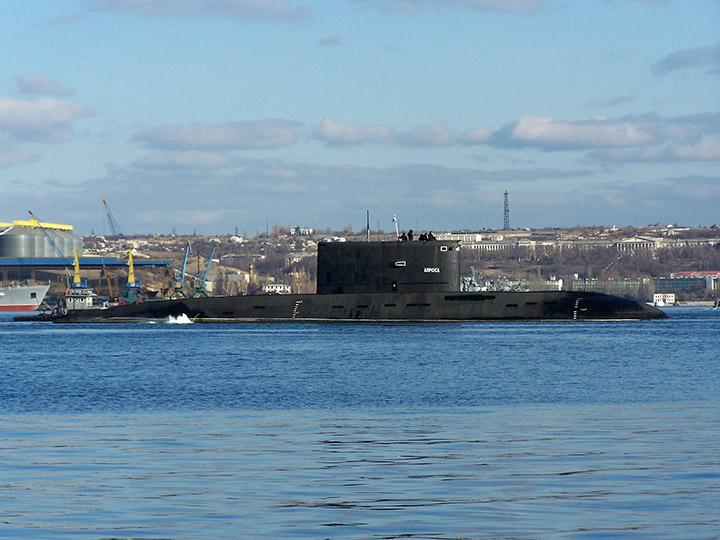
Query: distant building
529,240
297,257
553,284
679,282
276,288
300,231
465,238
638,243
635,288
333,239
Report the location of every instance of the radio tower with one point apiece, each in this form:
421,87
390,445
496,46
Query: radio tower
506,220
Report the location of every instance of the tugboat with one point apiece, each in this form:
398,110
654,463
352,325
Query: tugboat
78,296
383,281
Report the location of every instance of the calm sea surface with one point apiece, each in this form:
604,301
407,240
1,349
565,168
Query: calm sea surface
592,430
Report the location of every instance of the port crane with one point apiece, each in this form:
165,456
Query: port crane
200,284
114,226
105,274
179,277
47,235
132,289
78,282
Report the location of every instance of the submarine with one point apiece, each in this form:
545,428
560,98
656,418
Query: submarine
384,282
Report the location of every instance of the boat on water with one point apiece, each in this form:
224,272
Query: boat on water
78,295
664,299
22,297
381,281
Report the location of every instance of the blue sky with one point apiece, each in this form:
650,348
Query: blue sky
207,115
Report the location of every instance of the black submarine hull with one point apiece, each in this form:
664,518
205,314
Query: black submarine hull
379,307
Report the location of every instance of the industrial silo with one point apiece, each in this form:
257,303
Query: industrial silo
27,242
17,242
58,238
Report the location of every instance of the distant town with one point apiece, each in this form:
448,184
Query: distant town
633,262
680,263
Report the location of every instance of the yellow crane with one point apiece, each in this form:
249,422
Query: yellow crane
133,286
78,282
131,269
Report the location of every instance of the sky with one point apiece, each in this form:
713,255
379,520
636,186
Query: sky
217,116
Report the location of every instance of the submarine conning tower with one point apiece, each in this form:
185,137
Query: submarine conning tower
379,267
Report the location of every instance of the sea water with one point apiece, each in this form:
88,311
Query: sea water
426,431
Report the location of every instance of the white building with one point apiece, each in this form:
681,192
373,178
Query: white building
664,299
276,288
301,231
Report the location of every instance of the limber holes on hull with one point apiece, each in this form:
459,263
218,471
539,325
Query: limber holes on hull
468,297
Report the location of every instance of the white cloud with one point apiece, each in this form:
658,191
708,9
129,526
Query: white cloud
632,138
31,83
44,120
572,134
267,10
333,132
643,138
428,135
259,134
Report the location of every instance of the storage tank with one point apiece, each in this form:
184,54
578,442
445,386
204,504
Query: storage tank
26,242
16,242
39,243
59,239
69,242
